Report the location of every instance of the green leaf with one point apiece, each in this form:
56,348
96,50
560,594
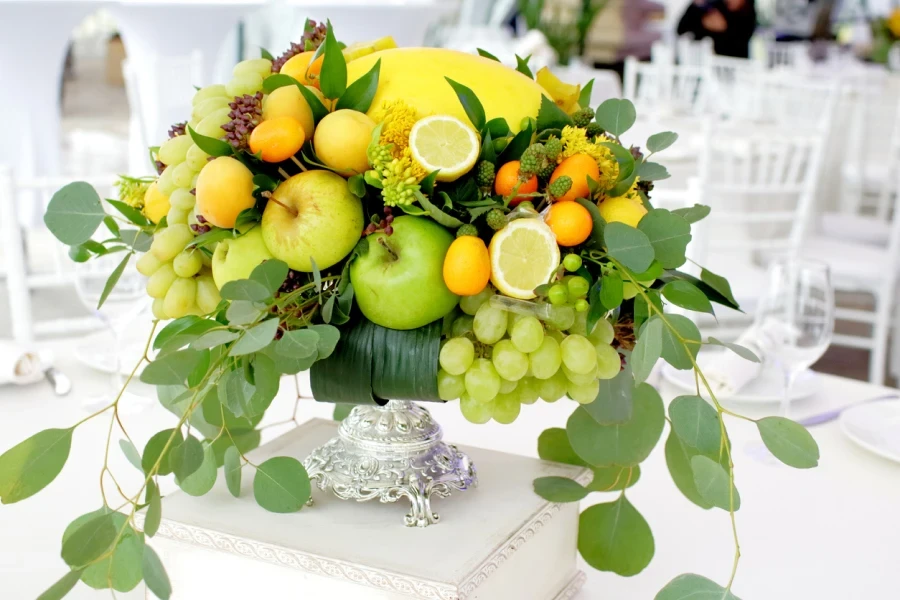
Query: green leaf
130,213
686,295
341,411
611,290
136,239
596,311
357,184
487,153
487,54
612,479
678,460
470,103
660,141
245,289
559,489
155,574
271,274
625,160
551,116
299,343
121,569
154,509
211,146
584,99
669,234
256,338
153,451
171,369
437,214
616,116
90,540
327,340
58,590
30,466
318,109
203,478
263,53
624,444
131,453
694,587
517,146
242,312
74,213
281,485
717,283
629,246
614,403
333,77
114,227
497,127
522,66
233,468
186,457
789,442
211,237
278,80
674,351
553,444
599,224
647,350
694,213
113,279
174,329
697,424
214,338
741,351
360,93
80,254
615,537
651,171
712,483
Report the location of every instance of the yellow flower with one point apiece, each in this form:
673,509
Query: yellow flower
893,22
398,118
574,141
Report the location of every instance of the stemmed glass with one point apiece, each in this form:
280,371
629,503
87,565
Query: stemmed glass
125,302
796,318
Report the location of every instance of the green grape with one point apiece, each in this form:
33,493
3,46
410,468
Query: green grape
583,394
579,378
527,390
176,216
545,361
260,66
457,355
578,354
507,408
629,290
609,363
581,306
208,297
507,386
580,324
527,334
482,380
553,388
196,158
170,241
182,199
180,297
201,110
210,91
450,387
148,264
471,304
603,333
474,411
462,325
558,295
211,126
158,309
174,150
188,263
563,317
244,83
577,288
490,324
160,282
164,182
514,318
557,335
572,262
182,176
509,362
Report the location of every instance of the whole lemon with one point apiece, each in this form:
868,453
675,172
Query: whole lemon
341,141
622,210
156,204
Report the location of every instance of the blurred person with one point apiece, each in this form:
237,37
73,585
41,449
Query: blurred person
730,24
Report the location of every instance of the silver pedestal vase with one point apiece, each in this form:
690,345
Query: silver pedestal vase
388,453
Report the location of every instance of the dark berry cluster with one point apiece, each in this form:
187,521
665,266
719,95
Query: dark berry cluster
636,152
178,129
202,226
246,113
313,36
293,282
379,224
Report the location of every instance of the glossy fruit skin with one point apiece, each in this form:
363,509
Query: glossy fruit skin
579,167
467,266
341,141
224,189
236,258
288,101
622,210
299,68
570,222
417,76
507,179
156,204
278,139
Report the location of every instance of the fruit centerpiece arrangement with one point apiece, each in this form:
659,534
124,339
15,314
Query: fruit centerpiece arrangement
407,224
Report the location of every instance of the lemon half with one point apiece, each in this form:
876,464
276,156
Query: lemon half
524,255
446,143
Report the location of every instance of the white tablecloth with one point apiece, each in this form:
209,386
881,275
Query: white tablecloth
827,533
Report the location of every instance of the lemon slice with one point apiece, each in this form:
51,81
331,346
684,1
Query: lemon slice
524,255
445,143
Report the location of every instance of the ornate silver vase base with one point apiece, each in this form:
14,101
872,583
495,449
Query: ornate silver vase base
392,452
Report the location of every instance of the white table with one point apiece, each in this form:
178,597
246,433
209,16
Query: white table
826,533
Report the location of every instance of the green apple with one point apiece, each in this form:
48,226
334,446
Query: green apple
236,258
398,281
312,216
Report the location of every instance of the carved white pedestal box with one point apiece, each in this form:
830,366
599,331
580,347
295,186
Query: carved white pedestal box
499,541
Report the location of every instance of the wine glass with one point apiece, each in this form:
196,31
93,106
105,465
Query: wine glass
125,302
796,318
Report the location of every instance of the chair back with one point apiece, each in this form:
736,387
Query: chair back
732,86
664,89
691,52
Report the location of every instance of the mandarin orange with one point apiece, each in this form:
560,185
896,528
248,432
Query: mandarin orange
579,167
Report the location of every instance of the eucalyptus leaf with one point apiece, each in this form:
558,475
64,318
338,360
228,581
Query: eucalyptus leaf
156,451
211,339
615,400
154,509
242,312
62,587
651,171
693,213
281,485
718,283
598,225
121,568
202,480
175,329
131,453
616,116
669,234
360,93
660,141
256,338
615,537
328,337
245,289
470,103
74,213
172,368
596,311
712,482
647,350
210,145
559,489
697,424
680,353
625,160
299,343
686,295
333,76
612,479
31,465
629,246
271,274
741,351
90,540
694,587
611,290
553,444
186,457
789,442
155,574
233,471
678,461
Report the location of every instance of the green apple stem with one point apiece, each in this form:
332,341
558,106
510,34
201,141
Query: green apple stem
271,198
299,164
283,173
388,248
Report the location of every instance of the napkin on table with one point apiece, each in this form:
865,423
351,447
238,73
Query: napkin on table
18,365
729,372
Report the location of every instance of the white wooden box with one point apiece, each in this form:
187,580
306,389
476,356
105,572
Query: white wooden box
496,542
